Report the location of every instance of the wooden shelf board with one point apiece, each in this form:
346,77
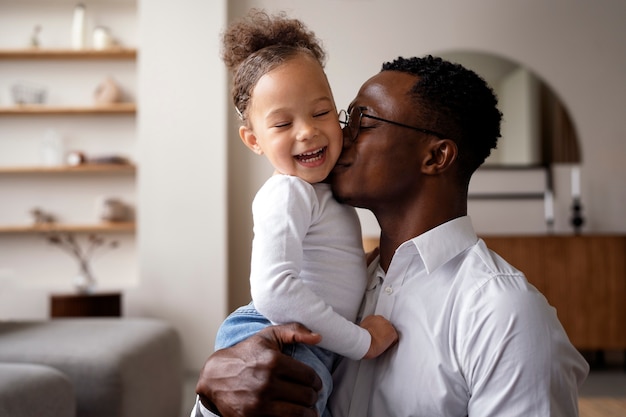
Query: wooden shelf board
69,169
76,228
85,54
43,109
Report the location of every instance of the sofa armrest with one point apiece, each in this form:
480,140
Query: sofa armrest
29,390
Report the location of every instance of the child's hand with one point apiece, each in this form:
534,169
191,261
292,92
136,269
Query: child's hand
383,335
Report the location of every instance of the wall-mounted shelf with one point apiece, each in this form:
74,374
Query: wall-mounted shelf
70,169
85,54
43,109
75,228
50,111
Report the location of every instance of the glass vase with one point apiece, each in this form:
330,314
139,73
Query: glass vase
84,281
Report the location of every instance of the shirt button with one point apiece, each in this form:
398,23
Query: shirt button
388,290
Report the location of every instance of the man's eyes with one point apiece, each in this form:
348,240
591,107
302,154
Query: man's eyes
370,126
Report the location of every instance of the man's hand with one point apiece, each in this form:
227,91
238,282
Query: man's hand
254,378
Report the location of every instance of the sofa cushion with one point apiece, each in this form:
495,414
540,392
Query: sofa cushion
119,367
28,390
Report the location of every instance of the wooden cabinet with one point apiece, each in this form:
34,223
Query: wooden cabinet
86,305
583,277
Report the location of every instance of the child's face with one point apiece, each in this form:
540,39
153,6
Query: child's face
293,120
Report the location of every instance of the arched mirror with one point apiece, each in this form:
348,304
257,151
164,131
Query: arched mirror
536,129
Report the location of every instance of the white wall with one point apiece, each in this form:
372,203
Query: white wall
182,180
576,47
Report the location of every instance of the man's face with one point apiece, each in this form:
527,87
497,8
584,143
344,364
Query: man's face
382,166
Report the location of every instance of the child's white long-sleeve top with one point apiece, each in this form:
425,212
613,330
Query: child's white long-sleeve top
308,264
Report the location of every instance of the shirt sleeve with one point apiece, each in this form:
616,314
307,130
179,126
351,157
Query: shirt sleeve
519,361
283,214
200,410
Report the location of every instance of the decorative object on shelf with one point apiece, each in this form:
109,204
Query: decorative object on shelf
577,209
41,217
575,182
84,281
102,38
34,38
112,209
109,159
52,148
28,93
76,158
549,210
108,92
577,215
79,27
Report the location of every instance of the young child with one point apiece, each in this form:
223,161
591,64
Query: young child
308,264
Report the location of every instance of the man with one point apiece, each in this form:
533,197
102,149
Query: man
475,338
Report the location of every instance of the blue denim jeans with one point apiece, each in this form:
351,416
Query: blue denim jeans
246,321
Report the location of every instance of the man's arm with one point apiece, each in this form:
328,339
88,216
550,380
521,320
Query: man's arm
520,361
255,378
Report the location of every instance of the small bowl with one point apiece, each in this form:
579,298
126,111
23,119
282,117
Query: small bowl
28,93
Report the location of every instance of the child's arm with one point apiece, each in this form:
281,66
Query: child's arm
383,335
284,210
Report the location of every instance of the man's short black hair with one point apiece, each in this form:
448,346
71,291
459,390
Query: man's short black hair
457,102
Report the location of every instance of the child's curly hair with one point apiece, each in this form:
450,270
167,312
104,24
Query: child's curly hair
258,43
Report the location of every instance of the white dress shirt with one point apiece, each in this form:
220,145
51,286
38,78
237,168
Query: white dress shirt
476,339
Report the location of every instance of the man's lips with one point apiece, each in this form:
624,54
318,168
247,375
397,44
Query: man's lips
341,165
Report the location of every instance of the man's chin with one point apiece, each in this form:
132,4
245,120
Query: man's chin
338,185
339,195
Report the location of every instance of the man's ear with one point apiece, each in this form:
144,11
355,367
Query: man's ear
440,156
249,139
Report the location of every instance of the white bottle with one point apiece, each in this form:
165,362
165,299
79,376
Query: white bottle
52,149
79,27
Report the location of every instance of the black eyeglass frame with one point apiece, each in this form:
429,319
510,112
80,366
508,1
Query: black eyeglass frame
346,123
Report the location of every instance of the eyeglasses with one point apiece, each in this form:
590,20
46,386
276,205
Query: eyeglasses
353,123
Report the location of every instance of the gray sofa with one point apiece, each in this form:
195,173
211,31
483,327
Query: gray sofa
90,367
35,390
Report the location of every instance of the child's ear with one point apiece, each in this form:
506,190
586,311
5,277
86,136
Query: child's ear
249,139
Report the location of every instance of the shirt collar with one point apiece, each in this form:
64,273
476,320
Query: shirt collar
437,246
